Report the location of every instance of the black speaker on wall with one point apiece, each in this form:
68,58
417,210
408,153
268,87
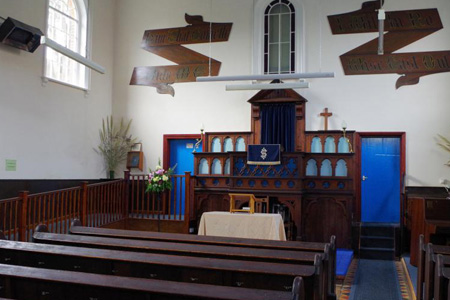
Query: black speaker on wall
20,35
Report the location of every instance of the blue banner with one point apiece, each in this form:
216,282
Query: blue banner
266,154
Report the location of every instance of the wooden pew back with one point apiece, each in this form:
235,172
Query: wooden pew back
429,267
442,277
211,251
32,283
77,229
257,275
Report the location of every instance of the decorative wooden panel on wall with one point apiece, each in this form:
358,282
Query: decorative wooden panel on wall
326,216
167,43
404,27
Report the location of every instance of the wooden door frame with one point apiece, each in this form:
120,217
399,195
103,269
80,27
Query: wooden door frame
166,145
359,136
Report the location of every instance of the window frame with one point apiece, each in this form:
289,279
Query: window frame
83,44
258,35
276,38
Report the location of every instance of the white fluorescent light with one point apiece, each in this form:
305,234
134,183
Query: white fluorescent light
266,77
267,86
73,55
381,18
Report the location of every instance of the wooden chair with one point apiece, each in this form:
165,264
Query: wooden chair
262,205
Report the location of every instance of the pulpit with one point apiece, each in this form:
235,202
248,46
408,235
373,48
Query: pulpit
314,181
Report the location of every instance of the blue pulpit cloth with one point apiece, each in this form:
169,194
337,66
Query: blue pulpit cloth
263,154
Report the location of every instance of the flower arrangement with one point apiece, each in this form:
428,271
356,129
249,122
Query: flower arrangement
159,179
115,143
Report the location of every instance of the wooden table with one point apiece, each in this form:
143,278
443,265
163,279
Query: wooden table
243,225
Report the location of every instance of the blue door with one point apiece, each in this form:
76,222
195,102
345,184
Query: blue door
380,179
181,155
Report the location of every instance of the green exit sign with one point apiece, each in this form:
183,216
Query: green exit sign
10,165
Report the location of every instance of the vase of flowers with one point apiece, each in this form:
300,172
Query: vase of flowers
158,182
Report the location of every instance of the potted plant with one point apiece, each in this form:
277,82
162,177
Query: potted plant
115,143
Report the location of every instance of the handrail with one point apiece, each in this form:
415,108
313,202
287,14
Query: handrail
96,204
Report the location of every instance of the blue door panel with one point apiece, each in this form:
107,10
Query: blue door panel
380,192
181,155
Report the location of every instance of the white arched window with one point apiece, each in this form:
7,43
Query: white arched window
279,38
67,25
278,35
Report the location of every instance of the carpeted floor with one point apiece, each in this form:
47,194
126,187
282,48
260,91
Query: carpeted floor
375,280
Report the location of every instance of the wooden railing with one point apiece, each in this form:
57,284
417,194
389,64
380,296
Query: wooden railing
9,216
105,203
173,205
95,205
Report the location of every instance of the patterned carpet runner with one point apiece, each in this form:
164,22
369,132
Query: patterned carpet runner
376,279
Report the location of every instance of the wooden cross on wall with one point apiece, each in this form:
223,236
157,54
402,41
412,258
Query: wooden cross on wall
326,115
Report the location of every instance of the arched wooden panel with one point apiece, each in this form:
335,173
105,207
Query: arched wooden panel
326,216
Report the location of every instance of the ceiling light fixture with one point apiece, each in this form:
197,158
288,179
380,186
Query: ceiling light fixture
266,77
267,86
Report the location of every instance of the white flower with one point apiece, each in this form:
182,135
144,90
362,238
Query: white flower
158,168
165,178
155,179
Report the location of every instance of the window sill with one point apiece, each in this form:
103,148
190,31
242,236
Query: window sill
45,80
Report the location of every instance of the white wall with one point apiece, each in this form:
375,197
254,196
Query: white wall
51,129
366,103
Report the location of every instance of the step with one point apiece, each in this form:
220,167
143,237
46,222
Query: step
378,230
377,253
377,242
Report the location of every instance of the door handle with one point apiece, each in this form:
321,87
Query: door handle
364,178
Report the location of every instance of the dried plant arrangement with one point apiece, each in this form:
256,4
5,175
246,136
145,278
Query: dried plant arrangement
115,143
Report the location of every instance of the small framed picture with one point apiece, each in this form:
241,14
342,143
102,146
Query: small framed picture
134,160
136,147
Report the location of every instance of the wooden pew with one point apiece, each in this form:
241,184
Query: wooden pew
210,251
428,215
33,284
259,275
77,229
442,278
432,251
426,267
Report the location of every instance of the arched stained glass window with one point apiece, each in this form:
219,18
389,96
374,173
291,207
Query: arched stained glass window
341,168
279,37
326,169
240,144
203,167
343,146
316,145
216,167
216,146
311,168
227,145
330,146
227,167
67,26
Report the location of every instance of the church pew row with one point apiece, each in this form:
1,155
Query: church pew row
209,251
442,278
426,268
258,275
27,283
77,229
